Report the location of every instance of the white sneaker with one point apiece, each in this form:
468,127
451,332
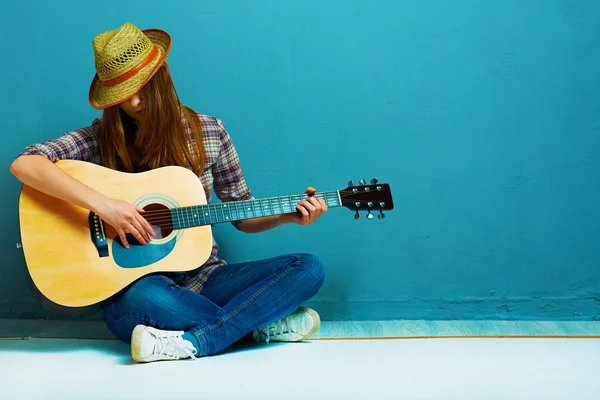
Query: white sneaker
297,326
150,344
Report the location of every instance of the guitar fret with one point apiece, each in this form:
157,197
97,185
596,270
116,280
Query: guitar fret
296,199
289,203
248,209
267,207
226,209
214,207
185,213
192,218
328,199
175,219
257,211
181,217
277,206
206,210
261,207
195,219
202,212
201,215
240,208
234,213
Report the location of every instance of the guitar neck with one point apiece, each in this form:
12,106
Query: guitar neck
210,214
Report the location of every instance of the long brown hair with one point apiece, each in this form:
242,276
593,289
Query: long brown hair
160,139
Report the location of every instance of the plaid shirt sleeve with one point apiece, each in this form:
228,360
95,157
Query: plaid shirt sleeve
80,144
229,181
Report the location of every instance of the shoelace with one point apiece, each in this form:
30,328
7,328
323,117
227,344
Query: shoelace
162,343
276,328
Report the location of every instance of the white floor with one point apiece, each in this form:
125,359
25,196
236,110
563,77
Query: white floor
66,329
415,368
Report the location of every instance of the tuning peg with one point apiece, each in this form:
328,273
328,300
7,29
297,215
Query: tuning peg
362,182
370,215
381,215
374,181
357,215
350,183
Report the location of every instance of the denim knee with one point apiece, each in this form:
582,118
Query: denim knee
312,267
136,298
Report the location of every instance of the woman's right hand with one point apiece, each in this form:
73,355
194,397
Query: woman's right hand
125,218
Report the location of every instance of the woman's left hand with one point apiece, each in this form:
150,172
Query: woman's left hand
309,210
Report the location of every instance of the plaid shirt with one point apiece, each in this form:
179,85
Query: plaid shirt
222,169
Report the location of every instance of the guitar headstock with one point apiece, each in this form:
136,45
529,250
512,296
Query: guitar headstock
373,197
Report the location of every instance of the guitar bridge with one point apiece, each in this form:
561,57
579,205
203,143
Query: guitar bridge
98,234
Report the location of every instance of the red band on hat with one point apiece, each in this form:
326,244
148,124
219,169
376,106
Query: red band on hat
122,78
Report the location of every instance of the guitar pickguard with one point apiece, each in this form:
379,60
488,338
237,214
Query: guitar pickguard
138,255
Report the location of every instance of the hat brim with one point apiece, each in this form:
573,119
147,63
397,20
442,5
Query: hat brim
101,97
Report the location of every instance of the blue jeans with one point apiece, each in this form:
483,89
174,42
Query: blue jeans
236,299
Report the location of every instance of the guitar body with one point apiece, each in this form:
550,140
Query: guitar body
57,237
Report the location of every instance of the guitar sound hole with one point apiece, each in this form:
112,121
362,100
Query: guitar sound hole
159,218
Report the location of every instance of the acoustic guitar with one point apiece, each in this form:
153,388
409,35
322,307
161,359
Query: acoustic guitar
76,260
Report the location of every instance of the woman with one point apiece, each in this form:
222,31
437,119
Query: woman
144,126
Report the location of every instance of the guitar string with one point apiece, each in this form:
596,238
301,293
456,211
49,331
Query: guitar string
169,223
183,218
183,215
254,202
207,219
156,216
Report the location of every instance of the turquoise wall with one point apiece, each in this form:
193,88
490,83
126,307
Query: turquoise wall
484,116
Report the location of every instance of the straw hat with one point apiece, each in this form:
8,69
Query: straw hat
125,58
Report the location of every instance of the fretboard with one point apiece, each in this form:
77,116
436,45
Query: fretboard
210,214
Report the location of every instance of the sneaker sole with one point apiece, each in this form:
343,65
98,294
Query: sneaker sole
317,320
136,343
